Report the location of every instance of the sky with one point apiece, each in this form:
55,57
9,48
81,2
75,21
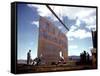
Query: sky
79,20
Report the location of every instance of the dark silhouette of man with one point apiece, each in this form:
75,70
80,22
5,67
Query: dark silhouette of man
29,57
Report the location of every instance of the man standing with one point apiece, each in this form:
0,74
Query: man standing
29,57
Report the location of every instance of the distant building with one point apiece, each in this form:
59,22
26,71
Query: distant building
53,44
94,39
94,50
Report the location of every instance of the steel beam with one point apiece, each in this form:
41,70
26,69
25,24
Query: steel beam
57,17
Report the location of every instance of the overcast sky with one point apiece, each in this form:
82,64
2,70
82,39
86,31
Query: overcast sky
79,20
